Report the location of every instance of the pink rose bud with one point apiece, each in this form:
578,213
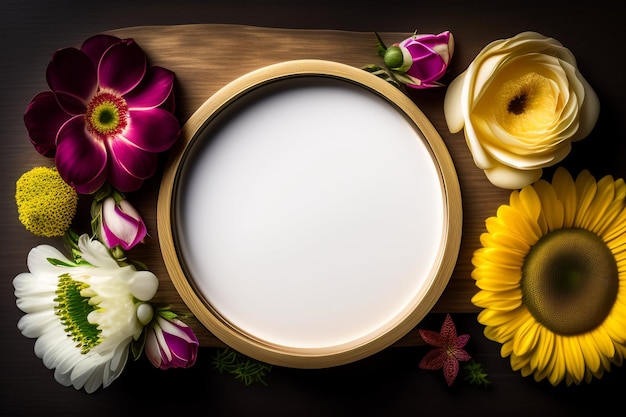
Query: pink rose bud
420,60
170,343
120,224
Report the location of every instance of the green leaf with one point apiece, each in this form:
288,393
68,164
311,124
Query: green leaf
136,347
58,262
474,373
380,45
243,368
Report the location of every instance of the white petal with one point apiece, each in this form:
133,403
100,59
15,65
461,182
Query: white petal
94,252
174,330
27,284
35,324
85,368
452,104
116,365
38,263
589,111
511,178
94,381
144,285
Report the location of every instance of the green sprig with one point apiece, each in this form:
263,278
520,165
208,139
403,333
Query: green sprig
474,373
246,369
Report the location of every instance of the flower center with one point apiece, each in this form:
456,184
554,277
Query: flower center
530,103
107,115
570,280
73,309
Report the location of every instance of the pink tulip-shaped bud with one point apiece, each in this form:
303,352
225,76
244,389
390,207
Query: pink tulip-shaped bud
170,343
119,223
420,60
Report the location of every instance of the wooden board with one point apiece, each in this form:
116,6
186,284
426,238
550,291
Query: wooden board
205,57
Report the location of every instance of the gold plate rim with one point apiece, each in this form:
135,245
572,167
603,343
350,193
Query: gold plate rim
249,344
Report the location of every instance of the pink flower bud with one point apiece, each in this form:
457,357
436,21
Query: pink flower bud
420,60
120,224
170,343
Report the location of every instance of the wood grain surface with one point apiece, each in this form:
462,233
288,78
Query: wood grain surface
206,57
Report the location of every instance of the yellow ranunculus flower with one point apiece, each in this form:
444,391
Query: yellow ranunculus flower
521,102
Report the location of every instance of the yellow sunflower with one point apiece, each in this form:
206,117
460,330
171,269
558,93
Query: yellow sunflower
551,274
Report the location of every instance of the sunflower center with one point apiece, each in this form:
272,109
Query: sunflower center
107,115
570,280
73,309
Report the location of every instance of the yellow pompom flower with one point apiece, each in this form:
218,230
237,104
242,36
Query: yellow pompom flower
552,277
45,203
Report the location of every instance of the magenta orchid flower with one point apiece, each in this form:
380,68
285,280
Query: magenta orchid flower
448,350
420,60
170,343
107,116
119,223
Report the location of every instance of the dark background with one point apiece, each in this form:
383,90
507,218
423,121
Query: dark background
386,384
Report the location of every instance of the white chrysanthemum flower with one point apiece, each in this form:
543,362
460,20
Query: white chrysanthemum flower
84,315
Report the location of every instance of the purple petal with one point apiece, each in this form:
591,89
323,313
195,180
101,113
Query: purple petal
448,331
122,67
72,72
154,89
95,47
461,355
450,370
122,180
71,104
152,349
462,340
131,160
121,166
121,224
80,159
427,64
434,359
431,337
169,104
153,130
43,119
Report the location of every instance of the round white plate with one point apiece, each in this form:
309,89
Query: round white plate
312,216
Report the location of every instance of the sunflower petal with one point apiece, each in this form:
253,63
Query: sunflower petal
565,189
574,361
526,337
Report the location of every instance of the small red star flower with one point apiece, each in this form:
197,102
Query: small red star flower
447,352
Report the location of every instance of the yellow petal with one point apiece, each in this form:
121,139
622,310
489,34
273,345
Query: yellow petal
592,218
496,279
557,363
574,361
589,351
552,214
501,326
565,189
508,241
522,363
505,257
544,348
586,187
526,337
498,300
603,342
517,222
530,202
617,227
